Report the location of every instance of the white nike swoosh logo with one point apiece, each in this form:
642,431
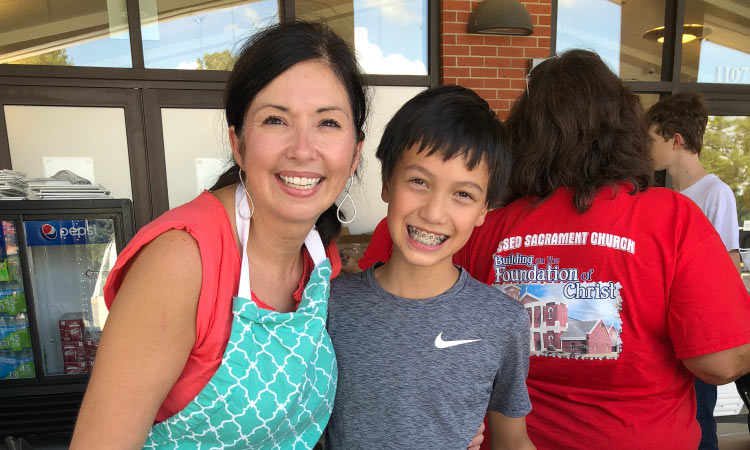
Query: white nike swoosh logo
440,343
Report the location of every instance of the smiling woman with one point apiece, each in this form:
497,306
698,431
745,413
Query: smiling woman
191,354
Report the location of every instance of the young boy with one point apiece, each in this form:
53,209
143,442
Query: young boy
424,351
676,127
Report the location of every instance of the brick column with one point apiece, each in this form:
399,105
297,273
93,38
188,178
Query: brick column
493,66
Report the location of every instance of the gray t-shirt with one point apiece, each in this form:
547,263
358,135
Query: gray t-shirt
406,379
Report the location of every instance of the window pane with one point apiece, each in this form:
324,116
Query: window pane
90,141
389,36
616,31
200,35
648,100
384,102
725,153
719,51
65,33
196,151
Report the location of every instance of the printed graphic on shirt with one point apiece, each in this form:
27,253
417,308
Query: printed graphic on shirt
572,313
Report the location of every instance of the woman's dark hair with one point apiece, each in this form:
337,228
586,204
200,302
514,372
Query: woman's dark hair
269,53
577,126
450,121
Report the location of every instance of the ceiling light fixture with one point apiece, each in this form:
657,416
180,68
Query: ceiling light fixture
690,32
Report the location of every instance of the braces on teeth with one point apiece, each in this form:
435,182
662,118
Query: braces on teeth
425,238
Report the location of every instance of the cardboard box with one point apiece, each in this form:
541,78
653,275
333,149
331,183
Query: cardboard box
79,345
71,353
71,327
351,249
75,368
91,344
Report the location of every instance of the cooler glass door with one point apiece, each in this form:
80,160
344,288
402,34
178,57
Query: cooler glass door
16,356
69,261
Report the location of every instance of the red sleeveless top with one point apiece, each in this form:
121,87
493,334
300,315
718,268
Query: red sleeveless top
207,222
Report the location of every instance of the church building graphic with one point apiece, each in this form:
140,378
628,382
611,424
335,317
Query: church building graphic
554,333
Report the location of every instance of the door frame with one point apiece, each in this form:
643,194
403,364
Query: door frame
127,99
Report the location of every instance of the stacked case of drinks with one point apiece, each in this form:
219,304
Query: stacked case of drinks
79,344
16,356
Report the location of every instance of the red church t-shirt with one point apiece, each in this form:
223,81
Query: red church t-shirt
616,297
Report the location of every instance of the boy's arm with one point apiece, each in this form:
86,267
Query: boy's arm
476,442
508,433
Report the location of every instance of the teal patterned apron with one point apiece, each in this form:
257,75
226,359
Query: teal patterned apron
277,380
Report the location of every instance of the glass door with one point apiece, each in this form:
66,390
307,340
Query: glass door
96,133
16,357
69,261
726,154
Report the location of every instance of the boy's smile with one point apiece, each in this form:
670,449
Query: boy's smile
433,206
425,237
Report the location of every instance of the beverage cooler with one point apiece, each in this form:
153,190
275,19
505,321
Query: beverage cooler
55,256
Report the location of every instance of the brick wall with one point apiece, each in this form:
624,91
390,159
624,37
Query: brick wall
494,66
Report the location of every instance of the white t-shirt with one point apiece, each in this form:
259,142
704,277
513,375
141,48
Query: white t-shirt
716,200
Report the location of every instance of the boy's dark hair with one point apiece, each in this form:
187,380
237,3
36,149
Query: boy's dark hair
577,126
269,53
683,113
450,121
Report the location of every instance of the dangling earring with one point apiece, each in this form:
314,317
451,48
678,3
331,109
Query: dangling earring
338,208
247,194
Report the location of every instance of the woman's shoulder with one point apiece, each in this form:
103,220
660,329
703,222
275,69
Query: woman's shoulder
205,208
204,217
180,236
664,201
174,255
508,213
174,248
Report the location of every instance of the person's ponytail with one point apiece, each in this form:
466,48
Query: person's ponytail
229,177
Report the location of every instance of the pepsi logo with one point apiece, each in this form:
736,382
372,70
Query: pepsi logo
48,232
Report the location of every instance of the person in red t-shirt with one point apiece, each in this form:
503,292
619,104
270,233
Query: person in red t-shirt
630,292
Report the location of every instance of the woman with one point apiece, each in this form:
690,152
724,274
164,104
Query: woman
634,291
629,289
188,344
